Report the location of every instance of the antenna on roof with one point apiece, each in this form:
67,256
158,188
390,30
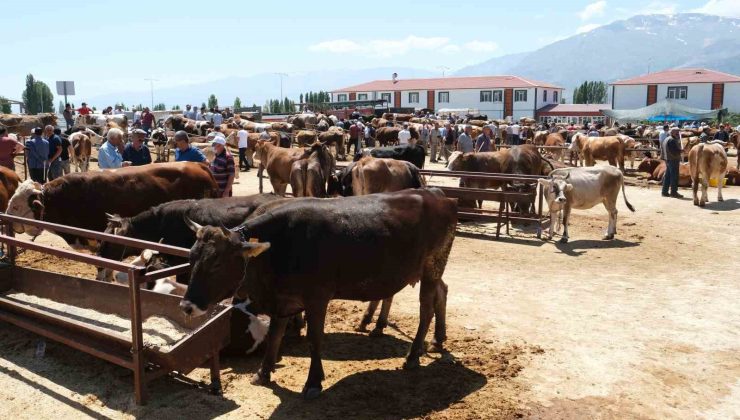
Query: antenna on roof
395,76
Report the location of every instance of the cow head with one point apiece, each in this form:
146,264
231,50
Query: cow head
455,162
217,261
555,189
27,202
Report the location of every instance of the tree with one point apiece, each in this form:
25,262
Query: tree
4,105
176,108
37,96
237,103
590,92
300,99
60,107
159,107
266,107
212,101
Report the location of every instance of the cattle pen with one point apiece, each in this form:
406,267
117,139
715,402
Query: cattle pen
201,345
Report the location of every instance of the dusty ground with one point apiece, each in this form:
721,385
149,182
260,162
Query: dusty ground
645,326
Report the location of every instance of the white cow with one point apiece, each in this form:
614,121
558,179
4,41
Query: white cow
582,188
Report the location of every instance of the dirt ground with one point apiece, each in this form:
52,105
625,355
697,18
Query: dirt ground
644,326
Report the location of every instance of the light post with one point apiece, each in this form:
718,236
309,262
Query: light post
444,69
151,89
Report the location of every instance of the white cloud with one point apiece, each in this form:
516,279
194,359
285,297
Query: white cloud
595,9
658,8
481,46
587,28
729,8
335,46
451,49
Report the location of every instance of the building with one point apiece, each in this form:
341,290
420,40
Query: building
700,88
497,97
573,113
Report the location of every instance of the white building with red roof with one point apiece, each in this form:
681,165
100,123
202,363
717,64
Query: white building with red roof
699,88
495,96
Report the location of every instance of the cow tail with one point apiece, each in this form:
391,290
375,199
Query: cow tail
624,194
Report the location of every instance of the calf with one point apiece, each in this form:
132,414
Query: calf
279,162
583,188
162,144
656,169
308,176
82,149
707,160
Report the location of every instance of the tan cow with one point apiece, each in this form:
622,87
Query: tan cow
308,176
611,149
707,161
539,137
81,151
279,162
553,140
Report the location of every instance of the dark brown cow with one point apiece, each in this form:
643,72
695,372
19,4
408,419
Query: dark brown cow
9,181
555,139
334,137
82,199
278,260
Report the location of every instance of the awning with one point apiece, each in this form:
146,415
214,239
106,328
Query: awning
665,110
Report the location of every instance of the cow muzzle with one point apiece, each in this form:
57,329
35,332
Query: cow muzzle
191,309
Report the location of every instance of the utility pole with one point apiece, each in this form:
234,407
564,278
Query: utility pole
444,69
281,83
151,89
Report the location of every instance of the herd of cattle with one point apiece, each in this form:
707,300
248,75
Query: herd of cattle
306,250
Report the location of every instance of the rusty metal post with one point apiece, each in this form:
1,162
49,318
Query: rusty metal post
540,198
12,250
137,336
215,373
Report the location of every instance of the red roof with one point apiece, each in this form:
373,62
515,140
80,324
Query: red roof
441,83
573,109
689,75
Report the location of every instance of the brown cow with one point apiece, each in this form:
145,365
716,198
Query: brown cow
279,162
81,151
707,160
308,176
611,149
554,139
656,170
22,125
125,191
334,137
304,137
540,137
9,181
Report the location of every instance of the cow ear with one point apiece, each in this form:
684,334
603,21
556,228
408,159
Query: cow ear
253,249
37,206
544,182
114,219
568,187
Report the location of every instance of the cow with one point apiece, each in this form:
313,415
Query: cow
81,151
162,144
583,188
278,260
656,170
9,181
303,121
152,261
23,125
308,176
334,137
552,140
305,137
540,137
414,154
279,162
611,149
165,223
707,161
82,199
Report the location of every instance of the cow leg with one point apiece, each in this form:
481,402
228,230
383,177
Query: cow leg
552,222
367,318
316,315
694,187
427,294
704,189
566,219
382,321
719,186
611,228
440,317
272,346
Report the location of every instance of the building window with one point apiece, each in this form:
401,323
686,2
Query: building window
413,97
386,97
362,96
486,96
498,96
443,97
520,96
677,92
544,96
555,96
342,97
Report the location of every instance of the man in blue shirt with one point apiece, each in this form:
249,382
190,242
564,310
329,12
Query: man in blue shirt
108,156
136,152
37,151
183,151
55,151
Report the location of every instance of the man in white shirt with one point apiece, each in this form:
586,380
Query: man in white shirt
188,112
243,136
515,128
404,135
217,118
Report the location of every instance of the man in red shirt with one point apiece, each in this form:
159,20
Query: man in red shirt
147,120
84,110
9,147
354,137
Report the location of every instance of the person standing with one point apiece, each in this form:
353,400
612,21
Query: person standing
494,131
354,136
435,139
662,136
424,134
243,136
84,110
188,112
672,158
147,120
723,133
216,117
186,153
593,132
37,150
222,168
67,151
404,135
515,139
450,137
464,141
483,142
108,155
136,151
118,110
9,148
68,115
55,151
369,134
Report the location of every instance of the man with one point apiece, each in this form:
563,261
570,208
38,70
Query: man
216,117
243,136
147,120
37,155
672,158
227,113
68,115
184,152
593,132
354,137
188,112
723,133
264,135
55,151
118,110
435,138
9,148
662,136
404,135
450,137
704,136
464,141
137,117
136,152
67,151
222,167
84,110
494,131
108,156
515,129
369,134
424,134
483,142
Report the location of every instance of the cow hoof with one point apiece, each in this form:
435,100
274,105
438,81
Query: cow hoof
260,380
563,240
411,364
702,204
608,237
376,333
435,347
311,393
720,199
362,328
696,203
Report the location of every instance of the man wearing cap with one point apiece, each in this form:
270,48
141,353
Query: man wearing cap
55,152
464,141
483,142
672,160
136,151
147,120
67,151
108,156
37,150
184,152
222,168
404,135
68,115
435,139
84,110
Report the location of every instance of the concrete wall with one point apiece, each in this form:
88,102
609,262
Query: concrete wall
630,96
699,95
732,97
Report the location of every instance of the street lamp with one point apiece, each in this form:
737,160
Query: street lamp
281,83
151,89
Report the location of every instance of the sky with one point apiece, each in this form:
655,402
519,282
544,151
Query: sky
112,46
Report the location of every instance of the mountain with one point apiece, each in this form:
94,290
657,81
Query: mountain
258,88
627,48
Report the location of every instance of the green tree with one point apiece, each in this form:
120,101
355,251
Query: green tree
300,100
212,101
590,92
159,107
176,108
266,107
4,105
237,103
37,96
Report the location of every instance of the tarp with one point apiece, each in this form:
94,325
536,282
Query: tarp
665,110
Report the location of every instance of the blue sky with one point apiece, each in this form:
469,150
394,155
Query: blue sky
112,46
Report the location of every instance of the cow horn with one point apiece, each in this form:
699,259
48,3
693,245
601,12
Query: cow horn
192,225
